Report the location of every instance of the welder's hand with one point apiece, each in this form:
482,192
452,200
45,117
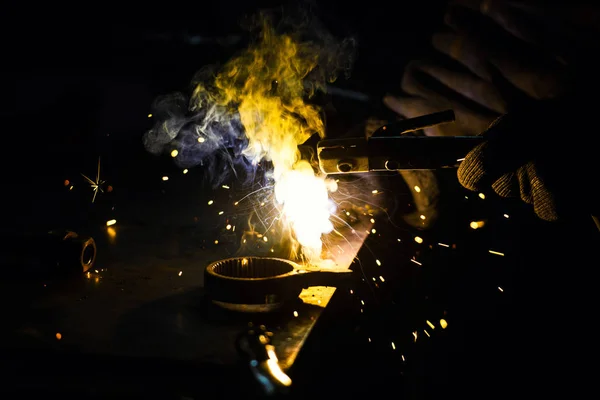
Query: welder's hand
541,155
431,87
495,57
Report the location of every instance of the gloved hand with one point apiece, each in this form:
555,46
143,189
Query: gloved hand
529,62
495,57
541,154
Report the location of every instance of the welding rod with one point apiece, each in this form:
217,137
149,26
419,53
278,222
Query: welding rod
414,124
349,94
344,93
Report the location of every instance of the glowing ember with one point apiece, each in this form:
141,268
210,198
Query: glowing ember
112,233
96,185
477,224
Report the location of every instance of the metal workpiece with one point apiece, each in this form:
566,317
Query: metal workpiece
266,281
48,254
74,252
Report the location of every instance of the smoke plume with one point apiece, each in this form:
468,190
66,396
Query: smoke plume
255,107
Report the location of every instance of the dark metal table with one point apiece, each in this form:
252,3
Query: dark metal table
143,300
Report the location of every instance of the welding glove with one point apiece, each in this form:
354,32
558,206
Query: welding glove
541,154
494,57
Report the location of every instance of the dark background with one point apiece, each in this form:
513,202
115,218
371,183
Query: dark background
77,84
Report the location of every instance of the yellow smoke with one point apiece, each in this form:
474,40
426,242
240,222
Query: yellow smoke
266,86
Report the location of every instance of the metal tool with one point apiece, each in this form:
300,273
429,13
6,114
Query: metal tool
390,149
47,254
263,282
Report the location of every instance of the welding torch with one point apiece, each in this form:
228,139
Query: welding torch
392,148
